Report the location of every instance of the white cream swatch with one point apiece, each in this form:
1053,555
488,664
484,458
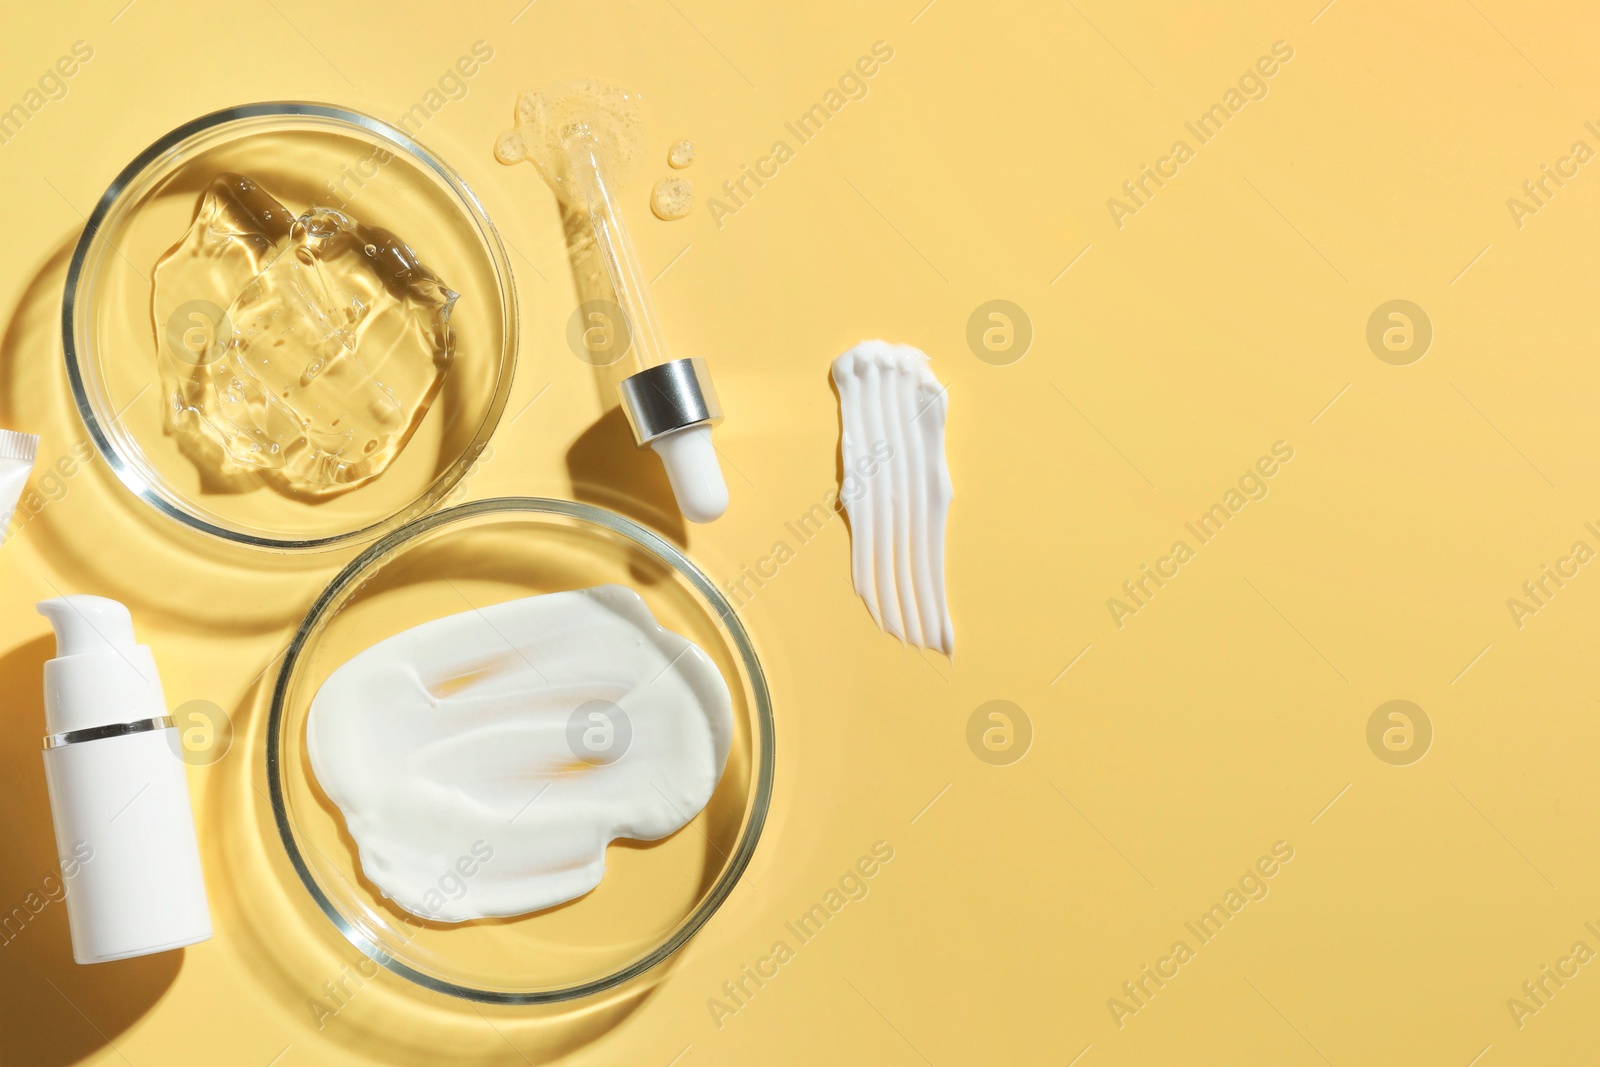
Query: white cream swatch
896,488
482,764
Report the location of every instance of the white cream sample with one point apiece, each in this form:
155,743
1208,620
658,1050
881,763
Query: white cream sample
896,488
467,744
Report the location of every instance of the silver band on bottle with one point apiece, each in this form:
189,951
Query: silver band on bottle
117,729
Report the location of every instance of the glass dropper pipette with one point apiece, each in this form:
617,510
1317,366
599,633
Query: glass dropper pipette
670,403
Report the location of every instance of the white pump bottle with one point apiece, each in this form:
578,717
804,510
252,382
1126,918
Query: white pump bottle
118,794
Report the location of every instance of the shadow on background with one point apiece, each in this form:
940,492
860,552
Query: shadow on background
608,469
53,1011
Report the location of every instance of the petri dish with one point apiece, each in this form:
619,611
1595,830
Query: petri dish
306,154
655,895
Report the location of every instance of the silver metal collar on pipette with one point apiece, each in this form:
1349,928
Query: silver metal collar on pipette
668,397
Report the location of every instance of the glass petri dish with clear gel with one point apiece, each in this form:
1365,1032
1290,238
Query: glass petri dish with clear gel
655,895
307,155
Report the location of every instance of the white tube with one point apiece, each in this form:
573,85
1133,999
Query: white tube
17,451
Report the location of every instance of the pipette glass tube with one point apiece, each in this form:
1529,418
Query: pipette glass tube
616,251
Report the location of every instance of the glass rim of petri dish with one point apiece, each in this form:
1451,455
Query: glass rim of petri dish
362,569
94,247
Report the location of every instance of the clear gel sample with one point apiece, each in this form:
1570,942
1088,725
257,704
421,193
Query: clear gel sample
672,198
548,120
333,341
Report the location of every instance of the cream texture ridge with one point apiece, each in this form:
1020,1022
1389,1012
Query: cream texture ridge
892,414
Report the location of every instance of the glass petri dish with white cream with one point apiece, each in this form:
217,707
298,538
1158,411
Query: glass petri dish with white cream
653,895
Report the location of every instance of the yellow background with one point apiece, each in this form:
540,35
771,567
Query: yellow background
1229,714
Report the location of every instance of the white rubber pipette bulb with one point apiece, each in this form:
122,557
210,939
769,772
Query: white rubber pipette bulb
694,472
